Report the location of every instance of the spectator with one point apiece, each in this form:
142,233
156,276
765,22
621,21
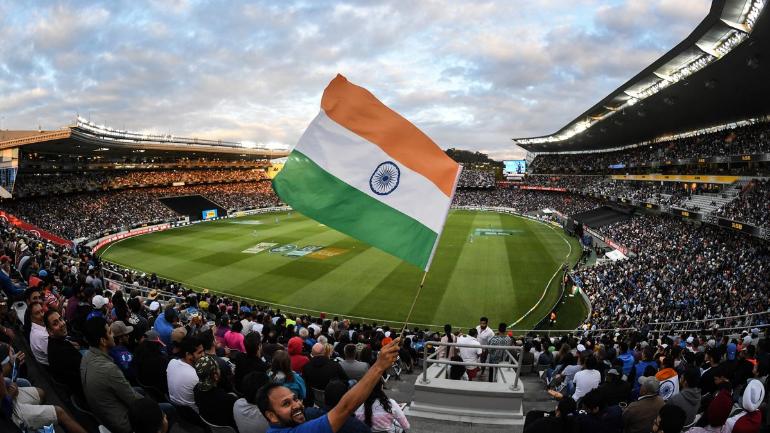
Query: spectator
246,414
38,337
588,378
214,404
282,373
640,415
448,337
496,356
562,420
689,396
381,413
234,337
671,418
145,416
181,373
614,390
320,370
120,353
333,393
63,355
165,323
470,354
354,369
248,362
107,391
749,420
284,409
298,359
150,362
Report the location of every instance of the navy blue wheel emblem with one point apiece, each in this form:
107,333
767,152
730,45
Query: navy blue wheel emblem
385,178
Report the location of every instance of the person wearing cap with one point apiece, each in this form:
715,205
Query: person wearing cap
120,353
63,355
100,307
214,404
640,415
689,396
107,391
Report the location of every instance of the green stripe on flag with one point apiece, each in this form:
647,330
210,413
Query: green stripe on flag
312,191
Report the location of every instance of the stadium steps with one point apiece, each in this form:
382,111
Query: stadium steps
708,203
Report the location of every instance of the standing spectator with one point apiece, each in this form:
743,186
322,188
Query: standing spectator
639,415
497,356
470,354
181,373
447,351
107,391
484,334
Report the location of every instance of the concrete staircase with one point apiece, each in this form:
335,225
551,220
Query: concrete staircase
708,203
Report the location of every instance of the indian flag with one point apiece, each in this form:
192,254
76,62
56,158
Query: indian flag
365,171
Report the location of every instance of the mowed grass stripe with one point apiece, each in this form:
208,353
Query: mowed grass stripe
497,276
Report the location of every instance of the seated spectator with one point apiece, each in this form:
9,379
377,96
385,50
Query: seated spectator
470,354
249,361
146,416
639,415
282,373
234,337
38,337
381,413
689,397
354,369
26,409
108,393
562,420
63,354
614,390
671,418
588,378
457,372
596,416
320,370
333,393
120,353
246,414
717,413
214,404
150,362
298,359
181,375
749,419
225,366
165,323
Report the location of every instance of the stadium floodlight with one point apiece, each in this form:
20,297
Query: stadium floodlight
754,11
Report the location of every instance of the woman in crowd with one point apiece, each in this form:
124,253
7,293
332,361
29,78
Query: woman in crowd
280,372
381,413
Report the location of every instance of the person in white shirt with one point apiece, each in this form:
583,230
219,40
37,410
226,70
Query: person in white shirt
181,374
484,335
586,379
38,336
470,354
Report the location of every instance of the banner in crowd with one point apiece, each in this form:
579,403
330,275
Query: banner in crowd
677,178
35,230
543,188
362,169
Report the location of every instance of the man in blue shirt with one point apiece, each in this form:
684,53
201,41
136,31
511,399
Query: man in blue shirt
164,324
285,411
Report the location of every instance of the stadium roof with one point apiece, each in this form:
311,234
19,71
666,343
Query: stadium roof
717,75
85,138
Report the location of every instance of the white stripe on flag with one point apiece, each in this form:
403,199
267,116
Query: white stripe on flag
353,160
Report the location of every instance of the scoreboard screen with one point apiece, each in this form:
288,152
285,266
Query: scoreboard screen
516,167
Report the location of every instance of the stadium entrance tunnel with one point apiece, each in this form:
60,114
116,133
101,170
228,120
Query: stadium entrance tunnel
196,207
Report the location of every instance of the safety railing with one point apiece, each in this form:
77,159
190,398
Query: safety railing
514,361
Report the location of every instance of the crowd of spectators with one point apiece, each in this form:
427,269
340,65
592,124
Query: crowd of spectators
88,214
682,271
473,178
752,205
752,139
142,353
36,183
526,200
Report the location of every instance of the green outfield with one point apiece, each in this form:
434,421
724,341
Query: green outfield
486,264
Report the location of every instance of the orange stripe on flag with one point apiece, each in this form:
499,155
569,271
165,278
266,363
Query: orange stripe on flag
356,109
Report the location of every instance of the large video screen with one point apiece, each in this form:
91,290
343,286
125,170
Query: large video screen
516,167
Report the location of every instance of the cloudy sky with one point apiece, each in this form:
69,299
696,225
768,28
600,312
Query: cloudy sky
471,74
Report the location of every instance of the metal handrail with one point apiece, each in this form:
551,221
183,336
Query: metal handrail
432,358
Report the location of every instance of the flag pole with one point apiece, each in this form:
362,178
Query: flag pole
414,301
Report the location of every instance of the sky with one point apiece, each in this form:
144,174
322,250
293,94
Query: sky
471,74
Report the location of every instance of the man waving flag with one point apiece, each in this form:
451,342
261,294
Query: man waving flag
365,171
